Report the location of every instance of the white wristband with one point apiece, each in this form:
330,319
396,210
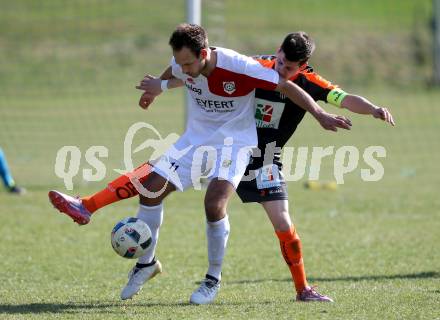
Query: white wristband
164,85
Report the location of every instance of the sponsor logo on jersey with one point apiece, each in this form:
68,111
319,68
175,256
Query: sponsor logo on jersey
268,113
229,87
264,112
215,105
193,89
190,80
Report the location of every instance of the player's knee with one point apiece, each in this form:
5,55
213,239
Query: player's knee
215,209
216,199
156,188
150,202
280,219
283,225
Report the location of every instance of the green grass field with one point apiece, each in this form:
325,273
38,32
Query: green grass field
67,80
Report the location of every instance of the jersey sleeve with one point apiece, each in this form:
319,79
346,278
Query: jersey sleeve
263,78
321,89
251,73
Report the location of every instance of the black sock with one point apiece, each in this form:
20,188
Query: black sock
144,265
207,276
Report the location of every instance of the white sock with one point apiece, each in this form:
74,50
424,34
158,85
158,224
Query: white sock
153,217
217,234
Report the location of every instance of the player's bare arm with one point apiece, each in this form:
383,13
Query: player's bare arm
358,104
303,99
152,86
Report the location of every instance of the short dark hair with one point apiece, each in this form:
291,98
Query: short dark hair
192,36
298,46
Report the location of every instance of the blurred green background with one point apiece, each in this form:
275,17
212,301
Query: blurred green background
68,71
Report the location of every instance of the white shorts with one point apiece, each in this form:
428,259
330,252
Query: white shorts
190,166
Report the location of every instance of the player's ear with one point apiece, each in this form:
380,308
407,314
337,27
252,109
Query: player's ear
203,53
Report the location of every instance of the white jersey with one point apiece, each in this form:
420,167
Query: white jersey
222,105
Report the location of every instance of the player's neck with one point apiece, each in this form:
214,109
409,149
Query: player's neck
211,62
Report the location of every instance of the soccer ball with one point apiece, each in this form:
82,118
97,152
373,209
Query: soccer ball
131,238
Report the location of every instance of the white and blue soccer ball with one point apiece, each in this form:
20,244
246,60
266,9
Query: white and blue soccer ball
131,238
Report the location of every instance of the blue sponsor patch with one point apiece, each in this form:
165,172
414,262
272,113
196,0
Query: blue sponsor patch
268,177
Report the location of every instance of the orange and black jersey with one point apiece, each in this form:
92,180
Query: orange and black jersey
277,117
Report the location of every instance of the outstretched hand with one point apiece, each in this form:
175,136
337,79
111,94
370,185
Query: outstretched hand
151,86
384,114
333,122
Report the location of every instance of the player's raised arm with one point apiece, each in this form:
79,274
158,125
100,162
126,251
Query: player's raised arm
358,104
153,86
305,101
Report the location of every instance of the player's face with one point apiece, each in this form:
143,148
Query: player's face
190,64
285,68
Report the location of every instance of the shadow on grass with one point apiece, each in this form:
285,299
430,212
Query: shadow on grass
420,275
79,308
119,307
101,307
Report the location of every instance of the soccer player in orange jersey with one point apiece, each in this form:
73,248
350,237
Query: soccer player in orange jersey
277,118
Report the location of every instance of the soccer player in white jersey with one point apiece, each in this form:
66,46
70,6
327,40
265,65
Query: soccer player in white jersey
220,124
274,129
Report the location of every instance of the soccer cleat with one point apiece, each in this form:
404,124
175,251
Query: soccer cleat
310,295
71,206
207,291
137,277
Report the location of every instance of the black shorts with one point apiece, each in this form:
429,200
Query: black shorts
268,186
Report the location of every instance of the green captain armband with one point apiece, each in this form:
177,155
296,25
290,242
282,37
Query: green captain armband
336,96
